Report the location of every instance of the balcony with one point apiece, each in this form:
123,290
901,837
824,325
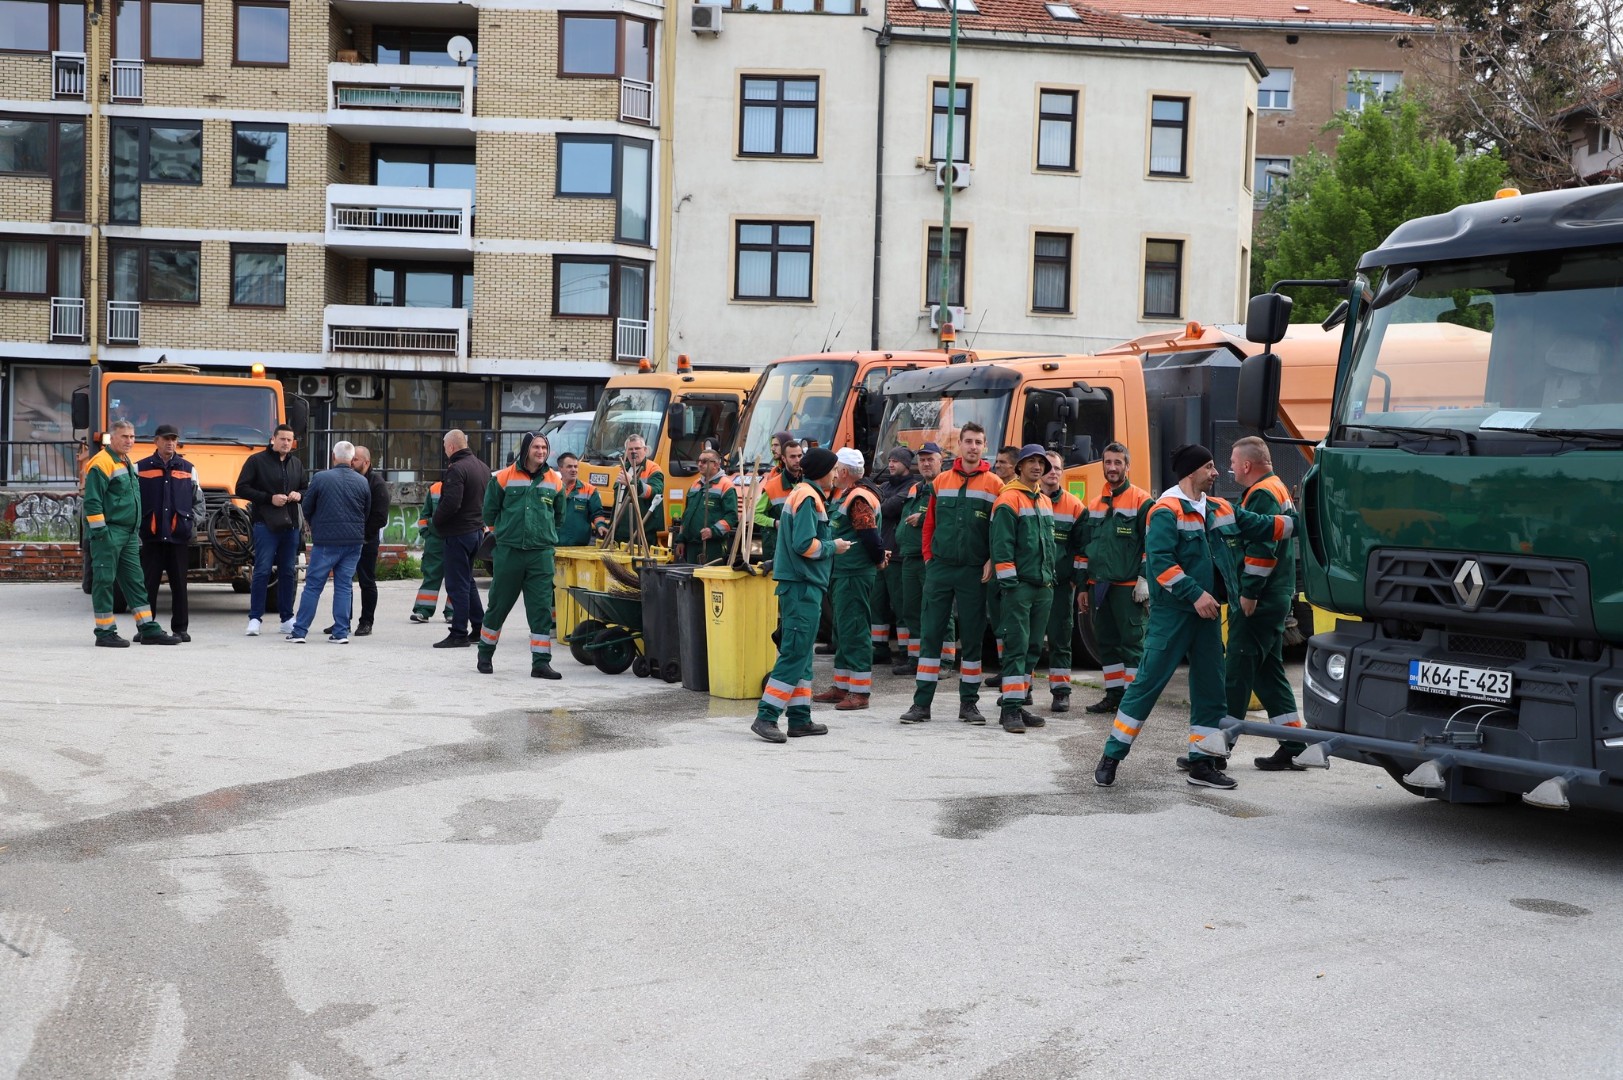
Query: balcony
68,75
129,80
630,340
392,102
68,318
636,101
414,331
123,321
364,219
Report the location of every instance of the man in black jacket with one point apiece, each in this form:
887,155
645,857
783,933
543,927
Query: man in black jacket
366,571
460,521
898,478
171,503
273,482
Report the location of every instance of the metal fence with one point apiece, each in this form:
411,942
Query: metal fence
411,454
25,463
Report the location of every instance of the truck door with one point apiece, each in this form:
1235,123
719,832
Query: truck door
1078,420
867,410
703,419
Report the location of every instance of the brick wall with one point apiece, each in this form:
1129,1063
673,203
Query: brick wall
40,562
25,320
518,71
25,77
25,198
216,204
512,313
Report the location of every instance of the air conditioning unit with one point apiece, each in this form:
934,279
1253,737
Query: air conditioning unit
706,19
360,387
315,386
955,315
960,174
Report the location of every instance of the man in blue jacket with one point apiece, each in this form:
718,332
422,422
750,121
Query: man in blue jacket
336,507
171,509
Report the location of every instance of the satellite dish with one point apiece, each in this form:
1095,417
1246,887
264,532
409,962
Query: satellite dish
459,49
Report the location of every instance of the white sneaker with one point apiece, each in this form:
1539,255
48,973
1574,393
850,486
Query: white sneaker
287,626
253,628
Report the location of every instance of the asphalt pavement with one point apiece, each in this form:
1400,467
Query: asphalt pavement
239,858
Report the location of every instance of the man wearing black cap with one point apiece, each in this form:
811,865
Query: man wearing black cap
800,564
1023,562
893,486
171,504
910,546
1186,546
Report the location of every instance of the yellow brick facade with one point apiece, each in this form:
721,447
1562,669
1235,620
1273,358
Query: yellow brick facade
216,204
517,177
24,198
512,314
25,320
518,72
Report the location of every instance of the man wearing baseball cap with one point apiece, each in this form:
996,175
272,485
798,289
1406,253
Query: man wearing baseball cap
1186,548
805,551
853,517
1023,557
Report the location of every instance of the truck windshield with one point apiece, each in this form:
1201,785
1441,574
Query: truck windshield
914,419
242,412
1491,355
626,411
805,397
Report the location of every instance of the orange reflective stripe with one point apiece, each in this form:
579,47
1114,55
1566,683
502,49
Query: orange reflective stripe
1168,576
813,549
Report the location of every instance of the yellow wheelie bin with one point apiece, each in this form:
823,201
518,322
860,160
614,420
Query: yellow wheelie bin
741,611
582,568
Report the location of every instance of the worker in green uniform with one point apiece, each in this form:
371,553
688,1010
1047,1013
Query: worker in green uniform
585,519
1112,589
1021,541
112,509
773,489
647,482
524,507
1070,518
709,514
854,515
893,483
1186,543
805,552
910,548
1256,641
428,593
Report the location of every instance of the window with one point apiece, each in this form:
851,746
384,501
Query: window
773,261
1169,136
1268,176
38,146
1056,130
258,275
160,31
1274,92
261,30
779,117
598,288
1163,279
586,165
604,167
932,269
1051,273
151,152
826,7
422,48
960,123
38,26
33,267
259,155
965,7
1363,85
155,273
24,146
423,166
1600,138
1063,12
606,47
420,284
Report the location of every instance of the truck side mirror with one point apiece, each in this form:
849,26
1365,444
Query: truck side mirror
1336,317
1267,317
676,414
81,410
1257,404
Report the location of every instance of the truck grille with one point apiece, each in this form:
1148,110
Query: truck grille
1511,594
1496,648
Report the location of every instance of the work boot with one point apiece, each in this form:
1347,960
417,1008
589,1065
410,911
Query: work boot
832,696
1104,773
543,670
905,666
183,635
1061,703
416,618
881,654
852,702
1012,721
454,640
363,628
1279,761
160,638
797,731
485,666
916,714
969,713
112,641
1027,700
823,650
1203,773
768,730
1107,704
1220,764
1031,719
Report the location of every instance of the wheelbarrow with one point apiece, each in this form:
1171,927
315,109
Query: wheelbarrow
608,637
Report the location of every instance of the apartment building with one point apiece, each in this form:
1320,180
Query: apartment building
419,215
1100,177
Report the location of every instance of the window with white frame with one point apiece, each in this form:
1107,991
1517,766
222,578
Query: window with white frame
1274,92
1363,85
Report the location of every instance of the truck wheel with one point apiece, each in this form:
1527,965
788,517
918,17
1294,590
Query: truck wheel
580,640
240,586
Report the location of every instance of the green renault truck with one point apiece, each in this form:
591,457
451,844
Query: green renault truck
1466,504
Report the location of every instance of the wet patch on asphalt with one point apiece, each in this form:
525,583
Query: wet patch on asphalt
1550,907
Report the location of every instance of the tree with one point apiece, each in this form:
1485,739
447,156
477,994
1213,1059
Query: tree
1387,169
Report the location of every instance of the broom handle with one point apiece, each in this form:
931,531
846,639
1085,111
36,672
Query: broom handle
614,522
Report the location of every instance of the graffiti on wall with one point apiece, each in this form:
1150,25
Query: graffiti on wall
45,515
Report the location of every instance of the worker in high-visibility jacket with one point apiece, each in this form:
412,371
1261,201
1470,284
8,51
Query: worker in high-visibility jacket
805,553
1069,517
644,478
910,548
524,507
1186,537
428,593
1111,587
854,516
112,509
709,514
958,567
585,519
1256,641
1021,539
773,490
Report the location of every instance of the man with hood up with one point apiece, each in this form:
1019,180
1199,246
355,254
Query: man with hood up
524,507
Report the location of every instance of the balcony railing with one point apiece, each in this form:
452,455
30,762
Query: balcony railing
128,80
379,219
68,75
373,219
370,101
378,329
636,101
630,340
68,318
374,339
397,97
123,322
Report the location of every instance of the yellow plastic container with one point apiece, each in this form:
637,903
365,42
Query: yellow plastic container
741,611
582,568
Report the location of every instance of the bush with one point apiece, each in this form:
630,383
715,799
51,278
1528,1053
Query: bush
405,568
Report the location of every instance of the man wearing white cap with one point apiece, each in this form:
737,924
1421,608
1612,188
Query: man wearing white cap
854,516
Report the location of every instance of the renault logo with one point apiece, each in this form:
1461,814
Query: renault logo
1468,584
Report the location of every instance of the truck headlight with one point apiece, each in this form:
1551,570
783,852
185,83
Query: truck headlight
1336,667
1617,706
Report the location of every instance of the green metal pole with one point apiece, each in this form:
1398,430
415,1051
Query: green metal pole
942,293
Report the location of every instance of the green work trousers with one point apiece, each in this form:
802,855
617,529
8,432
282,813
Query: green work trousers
115,559
1174,632
1256,663
1061,628
519,572
428,593
851,593
1024,608
1118,627
887,606
908,628
994,615
789,686
945,585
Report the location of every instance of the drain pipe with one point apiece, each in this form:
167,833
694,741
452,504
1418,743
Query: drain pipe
883,41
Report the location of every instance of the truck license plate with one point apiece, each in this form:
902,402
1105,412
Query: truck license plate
1456,680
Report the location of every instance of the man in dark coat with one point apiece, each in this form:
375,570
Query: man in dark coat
461,523
171,504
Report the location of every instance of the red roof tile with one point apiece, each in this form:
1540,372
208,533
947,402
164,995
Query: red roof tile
1305,12
1031,17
